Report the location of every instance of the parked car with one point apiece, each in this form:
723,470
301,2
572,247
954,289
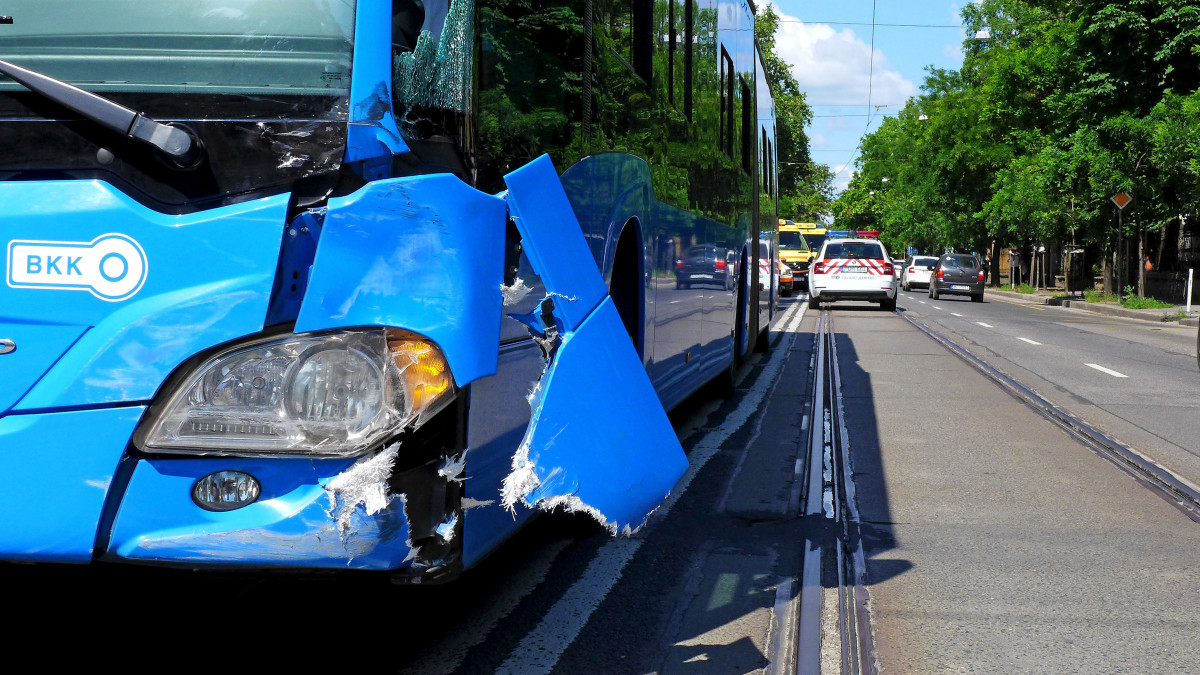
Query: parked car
917,271
852,269
957,274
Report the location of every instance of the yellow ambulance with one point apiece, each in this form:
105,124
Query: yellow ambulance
797,248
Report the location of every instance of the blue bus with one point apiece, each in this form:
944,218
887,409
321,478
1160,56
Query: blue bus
338,284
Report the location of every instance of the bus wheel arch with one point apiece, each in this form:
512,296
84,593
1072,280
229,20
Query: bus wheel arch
625,285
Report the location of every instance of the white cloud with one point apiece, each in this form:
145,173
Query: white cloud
833,66
953,52
818,140
841,177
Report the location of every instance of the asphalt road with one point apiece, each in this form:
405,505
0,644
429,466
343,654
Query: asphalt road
1136,380
996,543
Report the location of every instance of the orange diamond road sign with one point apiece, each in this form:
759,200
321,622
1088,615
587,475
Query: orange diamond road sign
1122,200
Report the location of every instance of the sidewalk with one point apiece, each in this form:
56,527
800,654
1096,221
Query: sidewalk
1161,315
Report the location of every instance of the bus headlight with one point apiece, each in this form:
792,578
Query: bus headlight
334,394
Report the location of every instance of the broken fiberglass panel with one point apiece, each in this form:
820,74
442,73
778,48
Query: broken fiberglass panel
598,440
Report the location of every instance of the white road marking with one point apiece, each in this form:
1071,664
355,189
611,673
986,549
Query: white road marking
956,314
985,325
938,308
1029,341
921,301
1105,370
541,648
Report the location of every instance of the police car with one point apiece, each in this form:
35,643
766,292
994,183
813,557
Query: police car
852,268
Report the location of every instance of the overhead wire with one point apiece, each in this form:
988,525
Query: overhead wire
881,25
870,91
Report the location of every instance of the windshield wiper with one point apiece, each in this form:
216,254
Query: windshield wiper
173,141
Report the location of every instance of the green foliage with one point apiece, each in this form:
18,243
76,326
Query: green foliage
1092,295
805,187
1130,300
1070,102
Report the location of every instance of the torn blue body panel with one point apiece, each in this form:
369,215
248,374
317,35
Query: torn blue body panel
554,242
372,133
59,467
598,439
334,513
425,254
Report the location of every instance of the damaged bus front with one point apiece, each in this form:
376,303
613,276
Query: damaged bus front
258,311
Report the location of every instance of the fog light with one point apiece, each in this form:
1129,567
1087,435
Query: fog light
225,491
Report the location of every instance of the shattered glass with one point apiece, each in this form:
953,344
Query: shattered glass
436,76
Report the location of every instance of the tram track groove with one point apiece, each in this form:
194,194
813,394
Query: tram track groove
836,539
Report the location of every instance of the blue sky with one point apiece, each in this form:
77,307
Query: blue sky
828,47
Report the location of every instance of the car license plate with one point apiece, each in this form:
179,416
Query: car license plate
853,268
701,276
960,287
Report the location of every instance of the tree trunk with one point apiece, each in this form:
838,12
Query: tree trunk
1163,238
1141,260
1108,269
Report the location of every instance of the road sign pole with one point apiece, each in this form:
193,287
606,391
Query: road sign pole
1121,200
1189,293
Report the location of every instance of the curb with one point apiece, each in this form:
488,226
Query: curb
1149,315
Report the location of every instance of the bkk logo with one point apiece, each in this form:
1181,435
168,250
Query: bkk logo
111,267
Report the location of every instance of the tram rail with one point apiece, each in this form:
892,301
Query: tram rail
834,548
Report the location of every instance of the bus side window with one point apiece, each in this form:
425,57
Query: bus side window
726,103
747,127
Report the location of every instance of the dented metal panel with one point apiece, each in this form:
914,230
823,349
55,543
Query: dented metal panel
312,513
317,513
425,254
599,440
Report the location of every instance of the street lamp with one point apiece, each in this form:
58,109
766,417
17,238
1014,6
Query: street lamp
983,35
922,117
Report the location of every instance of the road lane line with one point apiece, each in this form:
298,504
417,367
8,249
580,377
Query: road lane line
1029,341
956,314
541,647
985,325
938,308
921,301
1105,370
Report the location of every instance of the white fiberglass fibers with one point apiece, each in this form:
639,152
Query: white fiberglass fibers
365,483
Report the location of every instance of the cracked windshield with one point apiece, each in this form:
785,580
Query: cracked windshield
607,336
